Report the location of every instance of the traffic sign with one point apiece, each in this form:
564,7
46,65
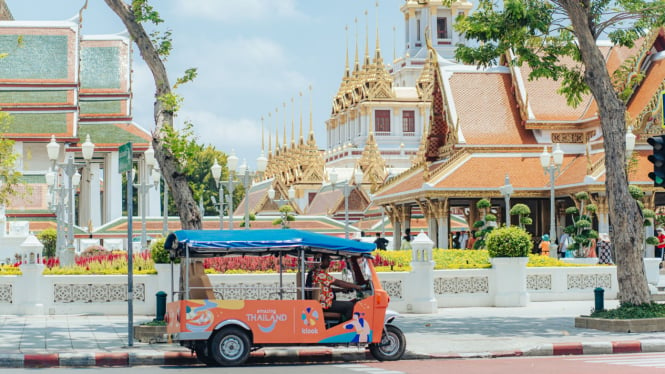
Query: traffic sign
125,157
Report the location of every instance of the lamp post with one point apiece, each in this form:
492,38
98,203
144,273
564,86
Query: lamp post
246,175
551,164
347,188
216,170
61,194
281,202
143,187
507,190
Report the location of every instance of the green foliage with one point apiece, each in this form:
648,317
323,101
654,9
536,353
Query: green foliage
171,101
508,242
189,76
157,252
285,210
522,211
48,238
490,218
635,192
252,217
631,311
10,179
483,204
581,231
652,240
144,12
182,143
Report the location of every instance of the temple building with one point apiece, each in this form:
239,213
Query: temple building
432,136
63,87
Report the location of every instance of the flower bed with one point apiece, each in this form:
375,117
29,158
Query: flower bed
110,263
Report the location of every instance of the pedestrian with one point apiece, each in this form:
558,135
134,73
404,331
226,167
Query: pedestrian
472,240
381,243
463,239
661,243
544,245
604,249
456,238
564,241
406,240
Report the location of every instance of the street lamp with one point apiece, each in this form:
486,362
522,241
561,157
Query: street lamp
216,170
347,188
144,186
61,194
281,202
507,190
551,164
246,177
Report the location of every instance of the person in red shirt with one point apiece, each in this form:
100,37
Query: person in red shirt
321,277
661,243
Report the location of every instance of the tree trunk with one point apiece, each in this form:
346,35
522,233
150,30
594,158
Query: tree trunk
190,217
625,215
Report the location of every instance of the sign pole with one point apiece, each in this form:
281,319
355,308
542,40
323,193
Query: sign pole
125,165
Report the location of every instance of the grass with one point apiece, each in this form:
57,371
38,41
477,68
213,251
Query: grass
631,311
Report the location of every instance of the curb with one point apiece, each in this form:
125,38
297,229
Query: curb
295,355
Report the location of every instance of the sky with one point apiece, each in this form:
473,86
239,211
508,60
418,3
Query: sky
252,57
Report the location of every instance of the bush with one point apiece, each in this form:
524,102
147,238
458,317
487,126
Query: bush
157,252
48,238
508,242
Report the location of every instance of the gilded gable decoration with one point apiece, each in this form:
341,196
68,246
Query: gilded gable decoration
372,163
572,137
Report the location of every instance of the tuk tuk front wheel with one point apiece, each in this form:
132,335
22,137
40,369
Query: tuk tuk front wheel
392,345
230,346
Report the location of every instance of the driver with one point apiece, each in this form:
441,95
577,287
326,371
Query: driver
321,277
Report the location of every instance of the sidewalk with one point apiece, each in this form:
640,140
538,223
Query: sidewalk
540,329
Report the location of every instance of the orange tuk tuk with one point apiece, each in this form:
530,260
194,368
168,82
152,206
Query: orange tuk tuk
224,332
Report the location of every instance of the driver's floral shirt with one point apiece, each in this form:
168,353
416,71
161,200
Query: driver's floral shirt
325,280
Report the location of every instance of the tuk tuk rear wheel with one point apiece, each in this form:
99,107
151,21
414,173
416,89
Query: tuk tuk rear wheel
392,345
203,353
230,346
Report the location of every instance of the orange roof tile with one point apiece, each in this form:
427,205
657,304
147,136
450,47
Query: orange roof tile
476,95
647,89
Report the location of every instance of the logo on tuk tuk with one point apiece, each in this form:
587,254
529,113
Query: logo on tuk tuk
266,315
309,317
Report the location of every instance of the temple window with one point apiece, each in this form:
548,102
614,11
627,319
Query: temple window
418,30
382,121
442,28
409,122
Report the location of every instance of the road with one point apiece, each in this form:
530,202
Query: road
645,363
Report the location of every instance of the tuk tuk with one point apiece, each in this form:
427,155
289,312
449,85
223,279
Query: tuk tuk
225,332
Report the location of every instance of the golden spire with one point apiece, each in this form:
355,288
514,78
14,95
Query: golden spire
311,122
284,135
269,138
356,64
377,57
300,101
276,130
293,123
367,58
263,143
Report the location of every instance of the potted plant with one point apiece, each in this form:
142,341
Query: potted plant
522,211
581,231
508,248
485,225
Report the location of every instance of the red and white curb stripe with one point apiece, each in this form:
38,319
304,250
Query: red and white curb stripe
145,357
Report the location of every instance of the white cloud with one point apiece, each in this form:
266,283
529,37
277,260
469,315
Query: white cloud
225,134
242,69
238,11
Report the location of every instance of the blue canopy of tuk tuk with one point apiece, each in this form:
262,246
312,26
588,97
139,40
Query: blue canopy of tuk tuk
224,242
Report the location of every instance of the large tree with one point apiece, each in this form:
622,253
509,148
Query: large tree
541,34
171,148
9,177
